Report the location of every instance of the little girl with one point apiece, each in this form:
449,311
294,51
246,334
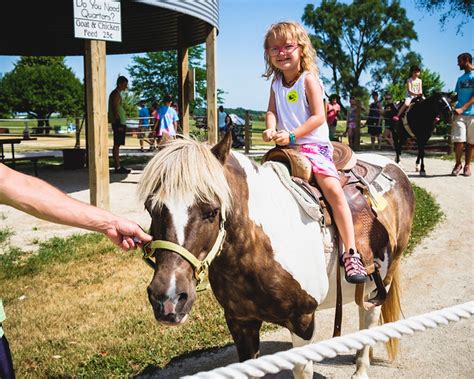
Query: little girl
414,89
296,109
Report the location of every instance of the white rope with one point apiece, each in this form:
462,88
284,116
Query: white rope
286,360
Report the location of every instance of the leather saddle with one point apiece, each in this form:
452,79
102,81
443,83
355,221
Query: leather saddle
356,179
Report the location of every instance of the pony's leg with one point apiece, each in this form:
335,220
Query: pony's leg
303,371
246,335
421,153
367,319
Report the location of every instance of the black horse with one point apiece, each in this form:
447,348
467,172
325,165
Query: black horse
419,123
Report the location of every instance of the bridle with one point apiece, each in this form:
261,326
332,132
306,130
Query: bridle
446,105
200,268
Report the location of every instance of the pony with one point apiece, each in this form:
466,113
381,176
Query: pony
421,119
215,209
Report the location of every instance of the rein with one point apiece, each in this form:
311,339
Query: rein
200,268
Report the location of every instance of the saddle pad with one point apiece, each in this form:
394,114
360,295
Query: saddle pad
301,196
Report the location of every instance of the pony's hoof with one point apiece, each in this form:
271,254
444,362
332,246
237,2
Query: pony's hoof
359,376
422,173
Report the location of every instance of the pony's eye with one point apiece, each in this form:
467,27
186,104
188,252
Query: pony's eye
210,215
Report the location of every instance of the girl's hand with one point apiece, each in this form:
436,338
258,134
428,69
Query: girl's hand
269,134
282,138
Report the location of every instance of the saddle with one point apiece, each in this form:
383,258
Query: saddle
360,186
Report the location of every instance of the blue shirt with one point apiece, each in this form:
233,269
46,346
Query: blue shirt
465,90
168,116
144,112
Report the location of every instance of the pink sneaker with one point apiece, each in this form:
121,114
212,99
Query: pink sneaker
396,118
353,267
456,170
467,171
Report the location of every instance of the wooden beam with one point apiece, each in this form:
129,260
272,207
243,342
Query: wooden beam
183,70
98,154
183,89
211,95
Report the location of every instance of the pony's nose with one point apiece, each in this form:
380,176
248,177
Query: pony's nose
165,306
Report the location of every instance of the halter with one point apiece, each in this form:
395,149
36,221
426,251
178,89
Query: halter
200,268
446,105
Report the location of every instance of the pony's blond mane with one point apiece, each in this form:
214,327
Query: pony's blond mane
184,171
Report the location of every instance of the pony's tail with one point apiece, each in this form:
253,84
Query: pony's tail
391,310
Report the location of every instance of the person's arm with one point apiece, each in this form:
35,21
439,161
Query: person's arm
314,94
40,199
466,105
270,119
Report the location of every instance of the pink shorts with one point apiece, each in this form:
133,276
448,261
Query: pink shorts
320,157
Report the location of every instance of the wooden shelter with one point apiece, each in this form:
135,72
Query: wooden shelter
44,28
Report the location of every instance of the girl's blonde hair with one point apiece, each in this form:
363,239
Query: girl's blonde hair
291,30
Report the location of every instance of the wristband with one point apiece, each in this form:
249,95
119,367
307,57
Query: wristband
292,138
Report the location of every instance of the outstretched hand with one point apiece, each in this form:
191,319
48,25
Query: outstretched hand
124,233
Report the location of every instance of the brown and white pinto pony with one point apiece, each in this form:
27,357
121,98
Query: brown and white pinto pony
272,266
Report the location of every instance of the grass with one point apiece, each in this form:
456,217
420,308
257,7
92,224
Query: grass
5,235
78,308
427,215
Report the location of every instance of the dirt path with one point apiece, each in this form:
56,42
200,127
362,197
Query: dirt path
438,274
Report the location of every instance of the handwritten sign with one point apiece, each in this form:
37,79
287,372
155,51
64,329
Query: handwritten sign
97,19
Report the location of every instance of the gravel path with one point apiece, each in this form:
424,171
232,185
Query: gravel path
438,274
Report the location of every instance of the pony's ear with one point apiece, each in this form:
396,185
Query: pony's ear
453,96
222,149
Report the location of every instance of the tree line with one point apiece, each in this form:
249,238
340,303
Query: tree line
351,39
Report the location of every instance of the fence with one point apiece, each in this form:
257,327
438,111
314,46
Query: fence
286,360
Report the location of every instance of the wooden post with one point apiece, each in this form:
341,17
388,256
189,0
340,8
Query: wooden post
97,123
211,95
183,78
248,137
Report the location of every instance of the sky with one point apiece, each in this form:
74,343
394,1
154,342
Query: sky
240,64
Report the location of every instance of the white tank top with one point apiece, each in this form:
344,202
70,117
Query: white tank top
293,110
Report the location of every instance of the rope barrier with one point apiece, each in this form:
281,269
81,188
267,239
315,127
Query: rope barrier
286,360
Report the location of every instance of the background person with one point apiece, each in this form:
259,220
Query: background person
388,109
40,199
143,123
118,120
168,118
414,89
332,112
462,129
221,115
351,121
374,119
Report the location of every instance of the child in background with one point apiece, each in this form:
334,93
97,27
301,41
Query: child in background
296,117
168,119
332,111
155,117
351,121
414,89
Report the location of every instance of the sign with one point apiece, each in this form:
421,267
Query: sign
98,19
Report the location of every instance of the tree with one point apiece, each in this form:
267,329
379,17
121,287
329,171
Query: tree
41,86
463,8
355,38
155,74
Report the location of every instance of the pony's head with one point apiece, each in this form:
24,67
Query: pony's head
444,105
186,193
